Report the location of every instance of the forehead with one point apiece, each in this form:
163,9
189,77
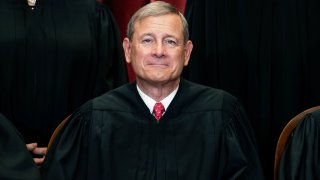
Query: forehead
169,23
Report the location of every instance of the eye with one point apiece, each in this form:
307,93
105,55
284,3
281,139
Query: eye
147,40
170,42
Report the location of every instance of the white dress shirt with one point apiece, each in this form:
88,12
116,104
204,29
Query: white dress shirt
150,102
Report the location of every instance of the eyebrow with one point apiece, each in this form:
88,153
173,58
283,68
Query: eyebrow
166,35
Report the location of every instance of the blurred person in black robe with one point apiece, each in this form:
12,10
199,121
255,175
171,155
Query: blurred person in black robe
15,160
203,133
54,56
300,159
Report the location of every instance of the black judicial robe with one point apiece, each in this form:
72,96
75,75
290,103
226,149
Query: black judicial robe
53,59
300,159
204,134
15,160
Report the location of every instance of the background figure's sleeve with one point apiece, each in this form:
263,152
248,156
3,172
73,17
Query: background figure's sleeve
15,160
67,157
239,154
300,159
112,64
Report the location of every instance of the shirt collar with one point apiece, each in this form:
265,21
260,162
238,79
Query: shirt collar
150,102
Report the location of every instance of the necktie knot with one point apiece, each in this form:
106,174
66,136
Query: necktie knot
158,110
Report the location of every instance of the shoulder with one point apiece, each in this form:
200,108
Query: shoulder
212,104
121,101
121,98
310,123
207,97
315,115
6,126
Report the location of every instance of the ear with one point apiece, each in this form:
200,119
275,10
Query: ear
187,52
127,49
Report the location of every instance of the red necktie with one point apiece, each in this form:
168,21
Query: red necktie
158,110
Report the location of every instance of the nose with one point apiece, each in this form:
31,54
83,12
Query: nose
158,49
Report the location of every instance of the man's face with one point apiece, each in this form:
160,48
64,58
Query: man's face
157,51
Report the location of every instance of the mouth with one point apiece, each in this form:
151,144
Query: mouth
159,65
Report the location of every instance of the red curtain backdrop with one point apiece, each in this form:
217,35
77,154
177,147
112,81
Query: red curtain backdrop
124,9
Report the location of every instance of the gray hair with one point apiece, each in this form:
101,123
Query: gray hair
157,8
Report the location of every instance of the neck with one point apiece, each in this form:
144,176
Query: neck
157,91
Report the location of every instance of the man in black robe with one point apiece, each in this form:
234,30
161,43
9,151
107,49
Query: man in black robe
200,132
15,160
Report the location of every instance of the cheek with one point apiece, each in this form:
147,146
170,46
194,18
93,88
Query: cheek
139,54
137,62
180,60
176,67
134,56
